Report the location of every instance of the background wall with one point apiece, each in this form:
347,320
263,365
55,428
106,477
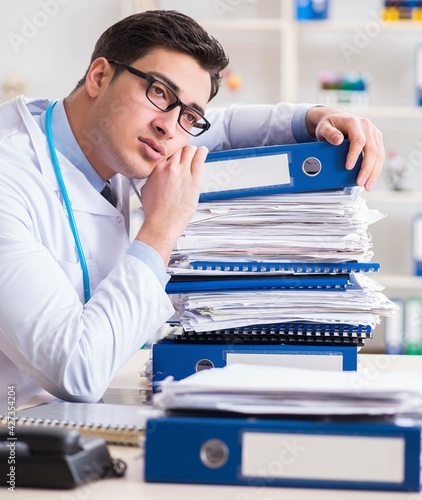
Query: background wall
49,42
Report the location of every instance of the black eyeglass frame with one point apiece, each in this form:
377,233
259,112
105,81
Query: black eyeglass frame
183,107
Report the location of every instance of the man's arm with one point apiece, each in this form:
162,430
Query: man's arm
70,349
255,125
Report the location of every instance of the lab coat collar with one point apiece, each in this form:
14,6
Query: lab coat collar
83,196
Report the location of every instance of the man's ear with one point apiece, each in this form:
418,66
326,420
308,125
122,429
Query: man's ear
99,74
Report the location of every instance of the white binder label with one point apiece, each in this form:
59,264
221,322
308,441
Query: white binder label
417,237
413,321
245,173
341,458
310,361
418,66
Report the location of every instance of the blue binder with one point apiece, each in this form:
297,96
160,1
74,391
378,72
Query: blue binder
182,360
293,168
267,276
196,284
417,244
357,455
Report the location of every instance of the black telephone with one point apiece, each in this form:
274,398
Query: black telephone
53,457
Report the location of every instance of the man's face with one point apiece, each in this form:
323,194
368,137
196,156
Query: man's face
130,135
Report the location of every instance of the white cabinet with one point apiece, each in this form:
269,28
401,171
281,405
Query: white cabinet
280,59
392,240
392,245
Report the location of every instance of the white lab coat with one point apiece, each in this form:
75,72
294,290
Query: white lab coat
48,338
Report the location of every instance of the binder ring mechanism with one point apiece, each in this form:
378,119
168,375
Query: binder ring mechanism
311,166
214,453
203,364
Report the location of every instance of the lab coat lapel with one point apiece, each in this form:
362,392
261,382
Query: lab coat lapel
82,194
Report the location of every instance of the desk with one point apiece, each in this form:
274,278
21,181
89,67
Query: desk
132,485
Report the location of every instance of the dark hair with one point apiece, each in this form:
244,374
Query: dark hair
135,36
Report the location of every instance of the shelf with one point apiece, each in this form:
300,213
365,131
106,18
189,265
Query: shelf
392,196
399,281
265,24
240,25
360,26
384,111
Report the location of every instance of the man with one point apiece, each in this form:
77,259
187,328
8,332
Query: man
77,298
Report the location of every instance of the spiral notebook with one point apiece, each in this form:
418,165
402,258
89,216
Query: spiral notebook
116,424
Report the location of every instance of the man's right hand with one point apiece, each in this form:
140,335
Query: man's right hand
170,197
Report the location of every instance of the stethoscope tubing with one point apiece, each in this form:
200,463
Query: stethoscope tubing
66,200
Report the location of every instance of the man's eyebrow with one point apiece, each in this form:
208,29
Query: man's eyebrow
175,88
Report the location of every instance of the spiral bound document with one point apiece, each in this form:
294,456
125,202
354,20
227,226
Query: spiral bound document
277,333
116,424
189,284
286,267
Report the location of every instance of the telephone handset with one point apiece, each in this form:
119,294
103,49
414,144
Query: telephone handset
52,457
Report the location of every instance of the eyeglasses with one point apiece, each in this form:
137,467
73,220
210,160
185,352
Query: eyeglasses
165,99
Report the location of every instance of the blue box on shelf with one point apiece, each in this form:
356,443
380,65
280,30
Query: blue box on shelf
311,10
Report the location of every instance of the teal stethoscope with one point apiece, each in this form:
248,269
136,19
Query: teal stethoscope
72,222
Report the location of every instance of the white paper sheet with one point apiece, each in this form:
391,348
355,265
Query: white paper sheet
259,389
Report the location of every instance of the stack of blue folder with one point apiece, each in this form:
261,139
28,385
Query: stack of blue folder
356,454
275,426
311,168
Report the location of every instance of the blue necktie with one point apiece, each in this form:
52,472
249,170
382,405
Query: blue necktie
108,194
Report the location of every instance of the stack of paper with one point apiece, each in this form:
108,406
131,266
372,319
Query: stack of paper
278,390
328,226
304,239
217,311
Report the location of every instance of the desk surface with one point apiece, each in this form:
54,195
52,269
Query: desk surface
132,486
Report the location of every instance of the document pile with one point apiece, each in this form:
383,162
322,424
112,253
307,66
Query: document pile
277,426
277,390
307,252
281,267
